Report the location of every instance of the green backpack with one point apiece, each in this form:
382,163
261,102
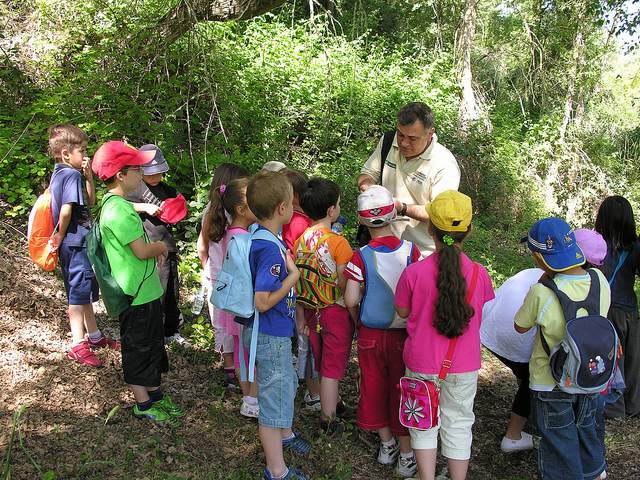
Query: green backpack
114,298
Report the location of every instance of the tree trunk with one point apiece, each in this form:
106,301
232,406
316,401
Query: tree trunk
187,13
468,108
574,102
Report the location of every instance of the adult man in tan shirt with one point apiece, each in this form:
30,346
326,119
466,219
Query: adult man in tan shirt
417,169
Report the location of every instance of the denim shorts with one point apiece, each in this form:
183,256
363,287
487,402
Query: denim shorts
565,438
77,274
456,416
276,378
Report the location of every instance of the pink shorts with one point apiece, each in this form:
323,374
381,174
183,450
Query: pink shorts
236,353
381,366
332,346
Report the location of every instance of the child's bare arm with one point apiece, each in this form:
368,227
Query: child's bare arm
203,248
63,224
342,280
353,293
145,251
401,311
266,300
148,208
88,177
303,328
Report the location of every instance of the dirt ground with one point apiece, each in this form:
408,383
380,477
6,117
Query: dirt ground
64,430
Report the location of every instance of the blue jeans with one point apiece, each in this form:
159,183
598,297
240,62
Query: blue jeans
566,444
276,378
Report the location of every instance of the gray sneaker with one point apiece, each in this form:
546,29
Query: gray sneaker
388,455
406,467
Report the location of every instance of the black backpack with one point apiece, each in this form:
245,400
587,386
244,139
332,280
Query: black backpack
585,359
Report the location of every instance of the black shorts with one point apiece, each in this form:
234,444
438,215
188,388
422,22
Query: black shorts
144,358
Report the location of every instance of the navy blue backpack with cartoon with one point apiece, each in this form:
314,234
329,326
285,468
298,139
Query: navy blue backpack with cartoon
585,359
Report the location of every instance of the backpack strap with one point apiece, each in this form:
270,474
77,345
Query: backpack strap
570,307
257,234
387,142
620,262
446,363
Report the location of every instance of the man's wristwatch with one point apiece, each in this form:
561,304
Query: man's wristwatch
403,212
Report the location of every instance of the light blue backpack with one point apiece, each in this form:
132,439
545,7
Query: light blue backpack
233,291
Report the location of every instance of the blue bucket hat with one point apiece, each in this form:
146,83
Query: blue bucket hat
556,243
158,164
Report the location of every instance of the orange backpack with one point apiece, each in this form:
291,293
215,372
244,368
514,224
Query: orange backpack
40,231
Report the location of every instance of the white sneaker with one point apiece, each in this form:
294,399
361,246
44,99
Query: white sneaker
510,446
406,467
178,339
312,403
388,455
251,411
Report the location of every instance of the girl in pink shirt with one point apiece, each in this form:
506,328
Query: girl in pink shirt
431,294
232,198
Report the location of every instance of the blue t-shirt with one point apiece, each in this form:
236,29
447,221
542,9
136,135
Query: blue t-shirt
268,268
66,187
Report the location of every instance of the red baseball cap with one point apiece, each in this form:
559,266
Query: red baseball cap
173,209
112,157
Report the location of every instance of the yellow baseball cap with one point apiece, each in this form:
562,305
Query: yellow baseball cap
451,211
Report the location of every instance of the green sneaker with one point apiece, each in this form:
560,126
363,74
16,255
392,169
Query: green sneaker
157,414
168,406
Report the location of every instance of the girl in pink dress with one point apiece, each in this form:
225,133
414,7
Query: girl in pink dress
432,295
210,254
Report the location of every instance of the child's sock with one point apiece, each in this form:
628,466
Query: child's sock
95,336
75,343
144,406
390,443
252,400
155,395
281,476
407,455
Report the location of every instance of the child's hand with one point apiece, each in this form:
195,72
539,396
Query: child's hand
86,168
160,259
151,209
303,328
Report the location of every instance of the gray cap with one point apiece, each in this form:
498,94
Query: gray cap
274,166
158,164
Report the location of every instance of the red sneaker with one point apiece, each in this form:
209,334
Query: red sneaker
83,354
103,342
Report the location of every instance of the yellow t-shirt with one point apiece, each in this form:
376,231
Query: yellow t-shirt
552,322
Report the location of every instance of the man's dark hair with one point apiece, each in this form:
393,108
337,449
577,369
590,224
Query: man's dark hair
411,112
317,196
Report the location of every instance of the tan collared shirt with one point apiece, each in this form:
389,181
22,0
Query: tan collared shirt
415,182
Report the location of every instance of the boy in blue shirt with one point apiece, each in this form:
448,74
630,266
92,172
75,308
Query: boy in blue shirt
270,198
72,193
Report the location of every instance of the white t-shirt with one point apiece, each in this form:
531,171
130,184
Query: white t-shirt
497,332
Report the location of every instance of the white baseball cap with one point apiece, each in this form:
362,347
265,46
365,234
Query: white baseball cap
376,207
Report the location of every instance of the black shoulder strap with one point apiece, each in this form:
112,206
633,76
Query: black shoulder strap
387,141
570,307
